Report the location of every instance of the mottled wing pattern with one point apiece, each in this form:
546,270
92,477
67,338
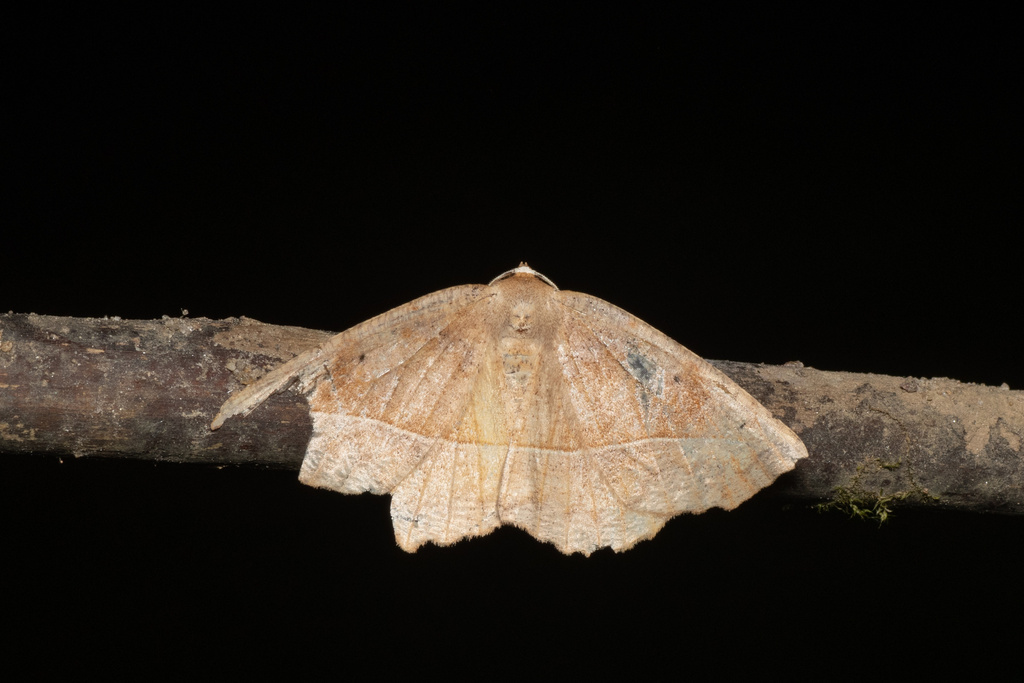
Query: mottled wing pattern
650,430
411,409
518,403
368,347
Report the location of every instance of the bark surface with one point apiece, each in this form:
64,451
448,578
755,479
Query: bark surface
148,389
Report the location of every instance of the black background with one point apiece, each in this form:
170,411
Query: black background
836,185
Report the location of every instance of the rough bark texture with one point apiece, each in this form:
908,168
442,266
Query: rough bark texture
149,388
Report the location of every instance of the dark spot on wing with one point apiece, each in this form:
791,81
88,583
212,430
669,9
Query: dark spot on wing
641,367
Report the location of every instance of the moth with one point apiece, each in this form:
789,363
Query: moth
519,403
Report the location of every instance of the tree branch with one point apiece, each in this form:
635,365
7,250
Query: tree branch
148,389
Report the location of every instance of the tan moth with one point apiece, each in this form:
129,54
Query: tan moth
519,403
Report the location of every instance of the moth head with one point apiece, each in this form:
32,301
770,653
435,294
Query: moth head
523,271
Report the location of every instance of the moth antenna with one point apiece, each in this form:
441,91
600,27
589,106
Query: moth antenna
523,268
